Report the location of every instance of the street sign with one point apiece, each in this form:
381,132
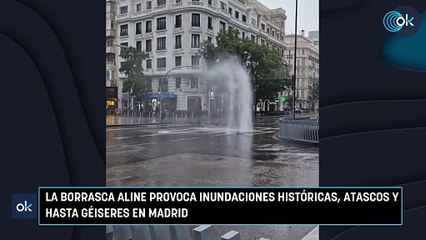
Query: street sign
283,99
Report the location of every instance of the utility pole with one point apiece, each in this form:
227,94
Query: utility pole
294,63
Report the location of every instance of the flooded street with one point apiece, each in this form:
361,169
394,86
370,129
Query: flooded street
197,154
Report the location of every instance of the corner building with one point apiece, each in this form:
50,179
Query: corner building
171,32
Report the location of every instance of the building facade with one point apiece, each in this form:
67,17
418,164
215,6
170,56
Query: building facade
171,32
307,68
114,99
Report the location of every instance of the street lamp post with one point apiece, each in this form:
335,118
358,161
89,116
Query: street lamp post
294,63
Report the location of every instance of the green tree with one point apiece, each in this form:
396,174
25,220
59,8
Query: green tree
136,82
268,72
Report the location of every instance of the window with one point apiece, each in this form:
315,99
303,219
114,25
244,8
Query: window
110,59
148,45
194,82
253,38
161,2
195,20
161,43
273,33
209,39
195,60
237,14
138,28
178,1
148,63
210,23
267,30
124,30
195,40
222,6
161,62
109,74
244,35
178,21
244,18
303,51
262,26
138,7
222,26
110,43
124,9
230,11
139,45
178,81
178,61
262,42
278,35
122,49
148,26
209,2
178,41
253,22
161,23
148,5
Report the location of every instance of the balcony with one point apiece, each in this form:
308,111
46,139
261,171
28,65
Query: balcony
175,5
110,50
136,14
164,6
196,3
123,16
110,66
110,32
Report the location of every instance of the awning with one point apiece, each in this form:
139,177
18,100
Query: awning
163,95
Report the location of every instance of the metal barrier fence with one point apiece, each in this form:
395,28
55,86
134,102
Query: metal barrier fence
299,130
164,232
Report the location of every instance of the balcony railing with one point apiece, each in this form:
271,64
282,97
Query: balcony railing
110,32
190,3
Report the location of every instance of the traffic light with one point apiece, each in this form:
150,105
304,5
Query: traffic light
283,99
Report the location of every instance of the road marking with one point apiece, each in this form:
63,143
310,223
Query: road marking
119,138
269,132
138,144
184,139
149,135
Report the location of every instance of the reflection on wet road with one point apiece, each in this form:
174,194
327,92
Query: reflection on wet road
212,155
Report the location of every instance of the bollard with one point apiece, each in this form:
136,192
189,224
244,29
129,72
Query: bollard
231,235
160,232
140,233
203,232
182,232
122,233
109,232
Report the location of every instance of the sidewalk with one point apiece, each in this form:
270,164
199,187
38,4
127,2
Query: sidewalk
113,121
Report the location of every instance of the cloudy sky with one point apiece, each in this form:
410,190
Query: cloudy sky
308,16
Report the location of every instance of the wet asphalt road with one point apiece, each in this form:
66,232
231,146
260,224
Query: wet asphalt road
212,155
201,154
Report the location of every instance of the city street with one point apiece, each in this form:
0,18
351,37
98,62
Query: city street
211,155
207,155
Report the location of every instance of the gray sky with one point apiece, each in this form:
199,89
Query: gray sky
308,15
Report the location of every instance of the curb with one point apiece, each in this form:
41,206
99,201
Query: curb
136,124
